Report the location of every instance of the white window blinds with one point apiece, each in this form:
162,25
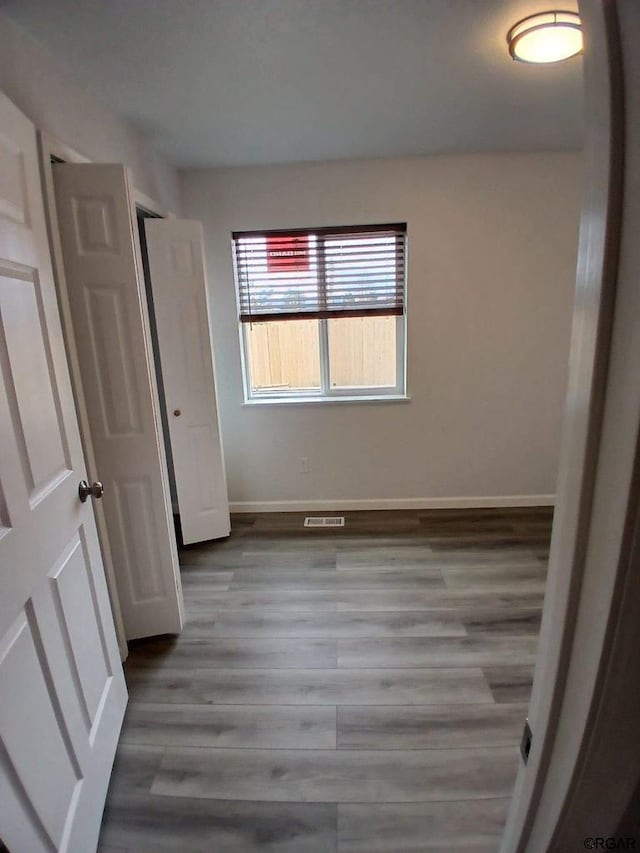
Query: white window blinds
354,271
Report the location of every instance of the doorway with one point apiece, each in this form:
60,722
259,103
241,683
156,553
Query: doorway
136,318
102,296
142,214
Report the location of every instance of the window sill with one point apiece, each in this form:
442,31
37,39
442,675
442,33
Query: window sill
314,401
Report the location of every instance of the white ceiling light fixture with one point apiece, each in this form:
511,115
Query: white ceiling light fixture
546,37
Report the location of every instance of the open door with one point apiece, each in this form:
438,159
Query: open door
61,682
176,266
111,330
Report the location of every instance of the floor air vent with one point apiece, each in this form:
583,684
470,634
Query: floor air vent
324,521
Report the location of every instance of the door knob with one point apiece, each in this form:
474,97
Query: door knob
95,490
177,413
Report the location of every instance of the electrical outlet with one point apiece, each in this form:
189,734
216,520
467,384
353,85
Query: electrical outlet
304,464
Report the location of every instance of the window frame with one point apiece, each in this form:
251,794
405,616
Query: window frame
325,393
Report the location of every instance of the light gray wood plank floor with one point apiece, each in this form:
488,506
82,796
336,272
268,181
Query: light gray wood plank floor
347,776
433,686
465,826
359,690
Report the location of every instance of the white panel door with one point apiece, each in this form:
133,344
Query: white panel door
111,329
61,683
176,265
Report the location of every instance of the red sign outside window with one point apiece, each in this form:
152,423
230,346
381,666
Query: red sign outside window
288,254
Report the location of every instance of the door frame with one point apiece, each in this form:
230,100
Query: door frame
591,611
585,704
52,149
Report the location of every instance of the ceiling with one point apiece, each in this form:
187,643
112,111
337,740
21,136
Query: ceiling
234,82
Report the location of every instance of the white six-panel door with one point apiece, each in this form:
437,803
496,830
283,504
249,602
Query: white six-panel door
62,690
111,330
176,265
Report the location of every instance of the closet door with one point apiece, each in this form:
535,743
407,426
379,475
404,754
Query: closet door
176,266
111,329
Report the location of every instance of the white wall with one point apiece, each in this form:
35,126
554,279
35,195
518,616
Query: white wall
492,251
49,95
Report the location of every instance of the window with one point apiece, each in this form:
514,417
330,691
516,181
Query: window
322,312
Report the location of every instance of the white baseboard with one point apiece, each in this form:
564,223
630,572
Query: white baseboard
393,503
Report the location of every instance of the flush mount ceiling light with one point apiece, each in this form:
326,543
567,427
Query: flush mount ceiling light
546,37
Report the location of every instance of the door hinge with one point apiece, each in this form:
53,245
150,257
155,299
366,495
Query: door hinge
525,743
